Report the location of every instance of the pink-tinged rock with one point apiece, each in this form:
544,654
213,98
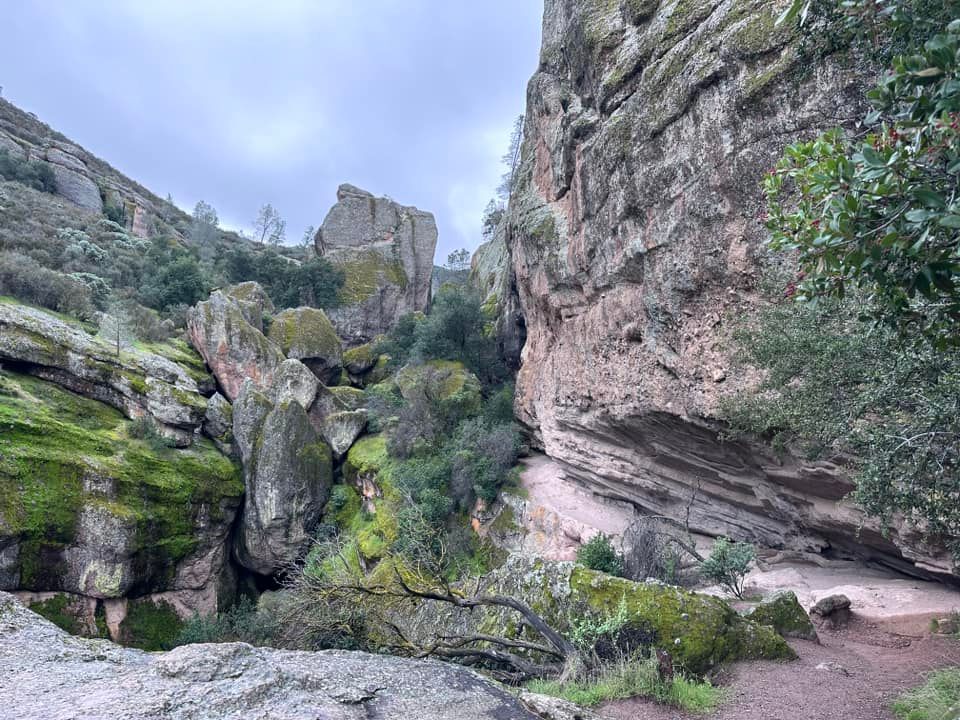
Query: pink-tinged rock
234,349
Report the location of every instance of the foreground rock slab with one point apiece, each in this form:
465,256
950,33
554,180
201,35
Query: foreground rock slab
49,674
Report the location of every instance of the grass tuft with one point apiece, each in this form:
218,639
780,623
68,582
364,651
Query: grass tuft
937,699
622,680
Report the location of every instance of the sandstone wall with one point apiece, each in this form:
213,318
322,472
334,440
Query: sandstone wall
635,233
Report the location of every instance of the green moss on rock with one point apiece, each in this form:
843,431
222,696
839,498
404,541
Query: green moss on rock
60,452
367,271
783,612
150,625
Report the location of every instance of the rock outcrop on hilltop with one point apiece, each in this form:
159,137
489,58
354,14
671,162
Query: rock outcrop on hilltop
385,251
635,229
51,674
80,177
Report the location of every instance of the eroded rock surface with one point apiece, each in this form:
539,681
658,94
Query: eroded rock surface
234,348
386,253
305,334
288,474
137,383
49,674
634,236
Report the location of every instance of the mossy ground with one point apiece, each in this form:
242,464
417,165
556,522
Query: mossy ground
52,441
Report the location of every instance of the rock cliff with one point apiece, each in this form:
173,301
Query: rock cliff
386,253
49,674
80,177
635,232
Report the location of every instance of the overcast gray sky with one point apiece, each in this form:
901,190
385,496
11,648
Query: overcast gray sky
242,102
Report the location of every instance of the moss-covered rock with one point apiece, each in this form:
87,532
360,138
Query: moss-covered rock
95,510
783,612
699,631
358,360
352,398
138,382
443,382
306,334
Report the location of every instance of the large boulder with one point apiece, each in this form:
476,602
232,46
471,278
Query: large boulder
67,677
385,251
442,382
294,381
91,507
288,474
253,300
232,347
305,334
137,383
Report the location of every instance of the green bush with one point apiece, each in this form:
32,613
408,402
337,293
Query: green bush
598,553
834,386
241,623
24,278
937,699
728,564
34,174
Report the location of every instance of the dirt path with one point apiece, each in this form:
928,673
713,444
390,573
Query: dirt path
870,668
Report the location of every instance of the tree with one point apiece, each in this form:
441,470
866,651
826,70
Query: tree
511,161
458,260
269,226
340,583
492,215
882,212
307,242
114,327
728,564
204,228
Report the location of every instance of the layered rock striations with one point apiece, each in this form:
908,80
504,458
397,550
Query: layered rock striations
385,251
138,383
634,234
80,177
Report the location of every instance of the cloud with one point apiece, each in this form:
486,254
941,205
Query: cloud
241,102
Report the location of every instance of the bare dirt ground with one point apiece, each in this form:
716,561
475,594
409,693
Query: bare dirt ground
867,668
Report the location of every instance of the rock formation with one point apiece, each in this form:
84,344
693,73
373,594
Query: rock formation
386,253
80,177
491,273
634,234
137,383
51,674
93,516
234,348
307,335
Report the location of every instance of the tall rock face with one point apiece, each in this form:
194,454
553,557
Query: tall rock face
491,274
635,232
386,253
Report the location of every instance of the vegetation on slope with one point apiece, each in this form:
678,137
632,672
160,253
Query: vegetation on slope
858,344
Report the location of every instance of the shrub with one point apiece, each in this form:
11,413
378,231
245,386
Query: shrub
649,551
835,386
244,622
937,699
598,553
35,174
728,564
24,278
116,214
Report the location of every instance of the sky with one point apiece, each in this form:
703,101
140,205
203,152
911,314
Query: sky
244,102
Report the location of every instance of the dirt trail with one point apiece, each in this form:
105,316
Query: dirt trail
871,668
